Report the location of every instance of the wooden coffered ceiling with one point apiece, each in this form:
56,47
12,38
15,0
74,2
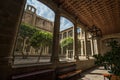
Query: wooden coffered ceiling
105,14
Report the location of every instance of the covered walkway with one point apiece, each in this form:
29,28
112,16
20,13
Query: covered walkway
100,18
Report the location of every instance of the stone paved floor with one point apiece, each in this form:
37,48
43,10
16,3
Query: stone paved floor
94,74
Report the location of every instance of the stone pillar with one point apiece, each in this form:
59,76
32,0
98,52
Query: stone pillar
75,42
55,48
62,51
47,51
24,45
85,39
43,52
82,48
83,42
61,35
67,54
95,46
101,47
30,52
10,15
86,47
92,46
67,33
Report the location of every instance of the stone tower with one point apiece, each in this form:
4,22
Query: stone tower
29,16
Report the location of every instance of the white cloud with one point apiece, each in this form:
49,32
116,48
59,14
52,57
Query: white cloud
42,9
46,12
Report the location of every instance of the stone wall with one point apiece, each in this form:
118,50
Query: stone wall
103,46
30,17
10,16
85,64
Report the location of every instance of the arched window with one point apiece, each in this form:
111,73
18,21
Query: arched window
66,40
37,35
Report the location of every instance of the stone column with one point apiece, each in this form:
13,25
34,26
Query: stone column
75,42
101,48
86,47
85,39
92,46
82,48
82,42
61,35
67,54
55,48
10,15
30,52
95,46
62,51
47,51
67,33
62,47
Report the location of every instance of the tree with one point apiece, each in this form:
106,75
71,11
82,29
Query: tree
26,32
66,44
40,40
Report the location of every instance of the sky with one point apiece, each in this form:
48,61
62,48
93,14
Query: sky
47,13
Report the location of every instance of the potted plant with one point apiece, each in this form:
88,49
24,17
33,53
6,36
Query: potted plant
111,58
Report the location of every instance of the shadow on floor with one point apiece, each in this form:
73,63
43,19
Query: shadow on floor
93,74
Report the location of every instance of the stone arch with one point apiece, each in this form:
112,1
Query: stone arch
111,36
55,8
67,17
49,5
103,45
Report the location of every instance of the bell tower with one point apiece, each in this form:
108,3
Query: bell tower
31,8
